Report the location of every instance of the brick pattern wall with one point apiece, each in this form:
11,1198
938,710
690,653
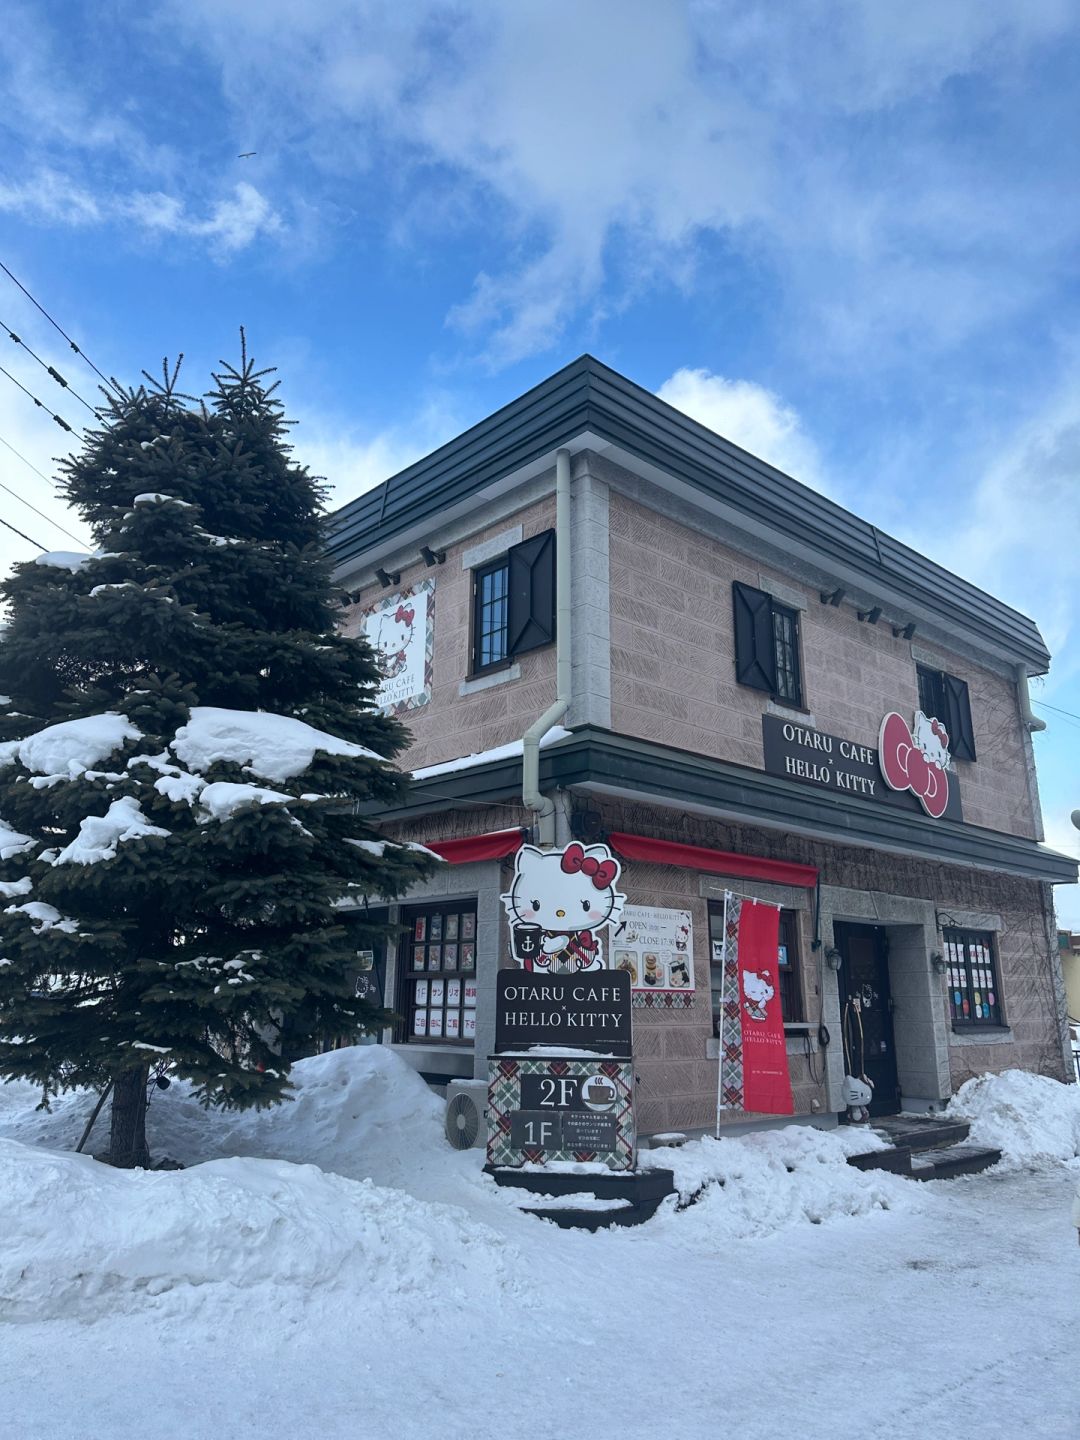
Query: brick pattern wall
453,724
673,665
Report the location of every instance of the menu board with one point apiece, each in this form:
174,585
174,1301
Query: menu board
656,947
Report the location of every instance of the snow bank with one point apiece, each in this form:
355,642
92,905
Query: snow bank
755,1185
100,835
1029,1118
83,1241
275,747
72,746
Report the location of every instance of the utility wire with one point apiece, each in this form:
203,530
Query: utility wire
21,536
1047,706
22,500
56,326
39,403
49,369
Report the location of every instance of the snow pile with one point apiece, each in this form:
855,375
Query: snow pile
100,835
754,1185
12,843
1029,1118
155,497
63,559
73,746
82,1241
44,917
512,751
221,800
274,747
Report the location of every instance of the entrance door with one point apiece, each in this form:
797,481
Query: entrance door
866,1012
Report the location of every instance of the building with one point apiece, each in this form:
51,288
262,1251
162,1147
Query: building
732,644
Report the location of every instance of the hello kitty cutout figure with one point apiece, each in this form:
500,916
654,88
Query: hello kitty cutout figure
559,903
917,759
393,634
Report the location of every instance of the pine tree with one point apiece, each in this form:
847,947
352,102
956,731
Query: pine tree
188,747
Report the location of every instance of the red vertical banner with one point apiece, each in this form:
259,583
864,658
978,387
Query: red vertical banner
766,1079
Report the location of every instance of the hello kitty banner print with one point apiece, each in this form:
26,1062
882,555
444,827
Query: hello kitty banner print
754,1075
558,906
401,632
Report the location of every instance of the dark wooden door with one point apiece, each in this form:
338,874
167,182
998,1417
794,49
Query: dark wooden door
866,1012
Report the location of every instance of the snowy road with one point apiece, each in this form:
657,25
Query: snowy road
954,1312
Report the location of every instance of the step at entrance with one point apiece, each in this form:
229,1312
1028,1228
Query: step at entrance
925,1147
588,1201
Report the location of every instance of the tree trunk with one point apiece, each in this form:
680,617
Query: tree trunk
127,1134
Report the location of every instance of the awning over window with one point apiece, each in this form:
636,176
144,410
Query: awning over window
714,862
492,846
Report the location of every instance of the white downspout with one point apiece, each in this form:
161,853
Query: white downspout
542,805
1027,715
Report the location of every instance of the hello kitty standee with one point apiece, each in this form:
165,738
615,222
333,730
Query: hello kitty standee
558,905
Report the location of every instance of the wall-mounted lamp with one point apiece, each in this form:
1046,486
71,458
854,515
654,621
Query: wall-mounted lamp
937,960
832,597
907,631
432,557
943,919
833,958
871,616
386,578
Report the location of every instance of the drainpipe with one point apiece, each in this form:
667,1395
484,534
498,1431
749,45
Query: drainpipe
542,805
1030,719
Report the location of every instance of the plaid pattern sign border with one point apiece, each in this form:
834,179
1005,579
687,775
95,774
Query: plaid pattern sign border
504,1097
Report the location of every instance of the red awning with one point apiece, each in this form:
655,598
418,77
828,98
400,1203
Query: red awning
492,846
715,862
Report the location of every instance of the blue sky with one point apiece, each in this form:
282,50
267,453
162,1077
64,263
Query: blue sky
844,233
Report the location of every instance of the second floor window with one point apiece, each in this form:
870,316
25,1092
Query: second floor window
945,698
767,645
514,603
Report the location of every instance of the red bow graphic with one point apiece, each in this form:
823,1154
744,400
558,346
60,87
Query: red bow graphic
602,872
403,614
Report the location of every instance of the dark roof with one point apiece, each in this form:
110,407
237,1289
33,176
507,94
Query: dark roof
588,396
592,758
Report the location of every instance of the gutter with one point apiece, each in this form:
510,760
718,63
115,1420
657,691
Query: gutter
1027,715
542,805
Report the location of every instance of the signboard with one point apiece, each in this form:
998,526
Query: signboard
655,947
754,1073
401,632
559,905
588,1012
814,757
561,1109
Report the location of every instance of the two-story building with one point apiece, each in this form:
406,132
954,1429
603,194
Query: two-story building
699,654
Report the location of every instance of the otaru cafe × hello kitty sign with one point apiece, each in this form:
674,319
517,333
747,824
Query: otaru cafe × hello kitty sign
561,1078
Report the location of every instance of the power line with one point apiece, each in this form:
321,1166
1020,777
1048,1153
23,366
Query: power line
39,403
49,369
56,326
22,500
21,536
1047,706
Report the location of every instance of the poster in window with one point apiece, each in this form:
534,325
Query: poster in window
468,1025
365,959
468,957
470,992
435,928
453,1025
421,997
453,992
656,947
419,1024
437,987
419,957
450,957
451,927
468,927
401,632
420,928
435,1024
434,957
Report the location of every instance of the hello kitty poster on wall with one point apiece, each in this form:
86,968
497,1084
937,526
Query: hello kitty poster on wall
558,906
400,630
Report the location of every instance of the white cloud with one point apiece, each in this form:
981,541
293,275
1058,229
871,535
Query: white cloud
233,223
50,196
750,416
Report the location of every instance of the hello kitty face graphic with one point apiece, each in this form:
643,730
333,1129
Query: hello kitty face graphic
564,893
391,633
916,759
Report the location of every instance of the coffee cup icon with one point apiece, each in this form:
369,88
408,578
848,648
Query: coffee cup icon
599,1093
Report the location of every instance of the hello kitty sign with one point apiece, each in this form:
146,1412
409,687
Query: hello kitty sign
916,759
400,630
559,904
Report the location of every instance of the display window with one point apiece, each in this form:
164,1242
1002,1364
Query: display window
437,973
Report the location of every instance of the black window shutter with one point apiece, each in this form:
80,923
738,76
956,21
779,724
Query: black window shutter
755,653
530,619
958,719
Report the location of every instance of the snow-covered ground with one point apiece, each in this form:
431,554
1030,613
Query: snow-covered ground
332,1268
